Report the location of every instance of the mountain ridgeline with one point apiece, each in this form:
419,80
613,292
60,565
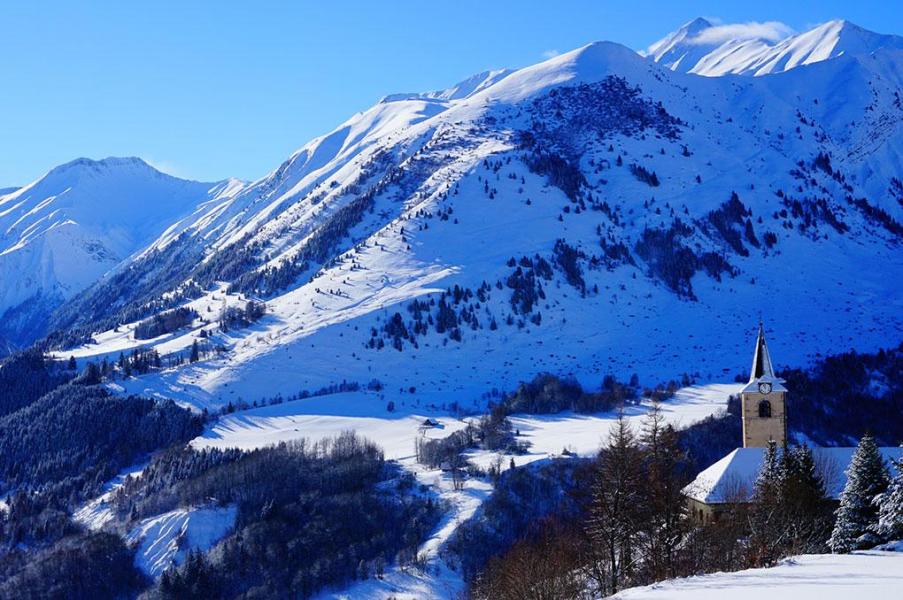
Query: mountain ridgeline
577,199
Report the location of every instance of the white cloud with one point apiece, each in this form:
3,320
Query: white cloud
165,166
771,31
551,53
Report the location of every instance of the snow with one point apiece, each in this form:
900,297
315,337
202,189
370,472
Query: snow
64,231
691,49
327,416
732,478
437,580
364,412
312,339
871,574
165,540
96,513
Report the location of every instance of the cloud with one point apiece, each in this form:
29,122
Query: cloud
771,31
165,166
551,53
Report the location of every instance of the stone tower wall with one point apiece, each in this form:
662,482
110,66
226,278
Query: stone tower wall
756,430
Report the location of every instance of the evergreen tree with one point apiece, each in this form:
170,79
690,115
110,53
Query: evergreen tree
805,511
866,478
195,353
665,527
616,509
764,519
890,506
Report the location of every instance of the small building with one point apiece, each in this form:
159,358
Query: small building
730,481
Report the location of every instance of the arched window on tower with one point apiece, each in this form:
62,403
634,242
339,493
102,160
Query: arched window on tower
764,409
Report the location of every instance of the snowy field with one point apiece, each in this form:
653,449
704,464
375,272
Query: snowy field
327,416
870,575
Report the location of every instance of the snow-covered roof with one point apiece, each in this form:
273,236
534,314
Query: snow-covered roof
732,478
762,370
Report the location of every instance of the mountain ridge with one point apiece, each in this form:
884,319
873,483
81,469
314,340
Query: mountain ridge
75,223
687,51
650,192
594,199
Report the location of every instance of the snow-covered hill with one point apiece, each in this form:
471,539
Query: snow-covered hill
594,213
703,48
872,574
62,232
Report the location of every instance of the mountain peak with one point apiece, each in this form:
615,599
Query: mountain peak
701,48
696,25
98,165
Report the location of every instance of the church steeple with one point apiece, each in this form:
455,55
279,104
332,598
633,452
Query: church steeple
761,365
763,400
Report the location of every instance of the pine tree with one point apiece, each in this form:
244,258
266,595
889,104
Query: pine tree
764,518
890,506
805,511
616,509
195,353
665,527
866,478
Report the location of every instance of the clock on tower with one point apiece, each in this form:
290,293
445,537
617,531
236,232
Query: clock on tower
763,401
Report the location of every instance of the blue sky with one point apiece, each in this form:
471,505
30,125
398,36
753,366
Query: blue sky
208,90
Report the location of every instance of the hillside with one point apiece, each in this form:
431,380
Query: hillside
591,202
475,340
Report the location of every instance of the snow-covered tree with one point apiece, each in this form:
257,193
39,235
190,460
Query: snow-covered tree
769,475
890,506
857,514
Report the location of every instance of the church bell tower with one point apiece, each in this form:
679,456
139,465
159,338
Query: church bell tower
763,401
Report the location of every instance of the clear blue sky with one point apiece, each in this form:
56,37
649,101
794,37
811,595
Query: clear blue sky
214,89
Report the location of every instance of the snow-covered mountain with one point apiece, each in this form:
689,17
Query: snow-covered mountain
62,232
703,48
595,213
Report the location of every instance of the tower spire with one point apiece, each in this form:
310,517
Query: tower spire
761,365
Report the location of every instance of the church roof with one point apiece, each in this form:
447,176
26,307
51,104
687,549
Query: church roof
761,366
732,478
762,370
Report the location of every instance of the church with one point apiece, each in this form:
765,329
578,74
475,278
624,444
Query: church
763,402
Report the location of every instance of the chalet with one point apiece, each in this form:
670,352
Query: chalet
763,399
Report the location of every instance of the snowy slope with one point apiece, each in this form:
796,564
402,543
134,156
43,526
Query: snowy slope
871,574
701,48
413,197
62,232
165,540
327,416
459,91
